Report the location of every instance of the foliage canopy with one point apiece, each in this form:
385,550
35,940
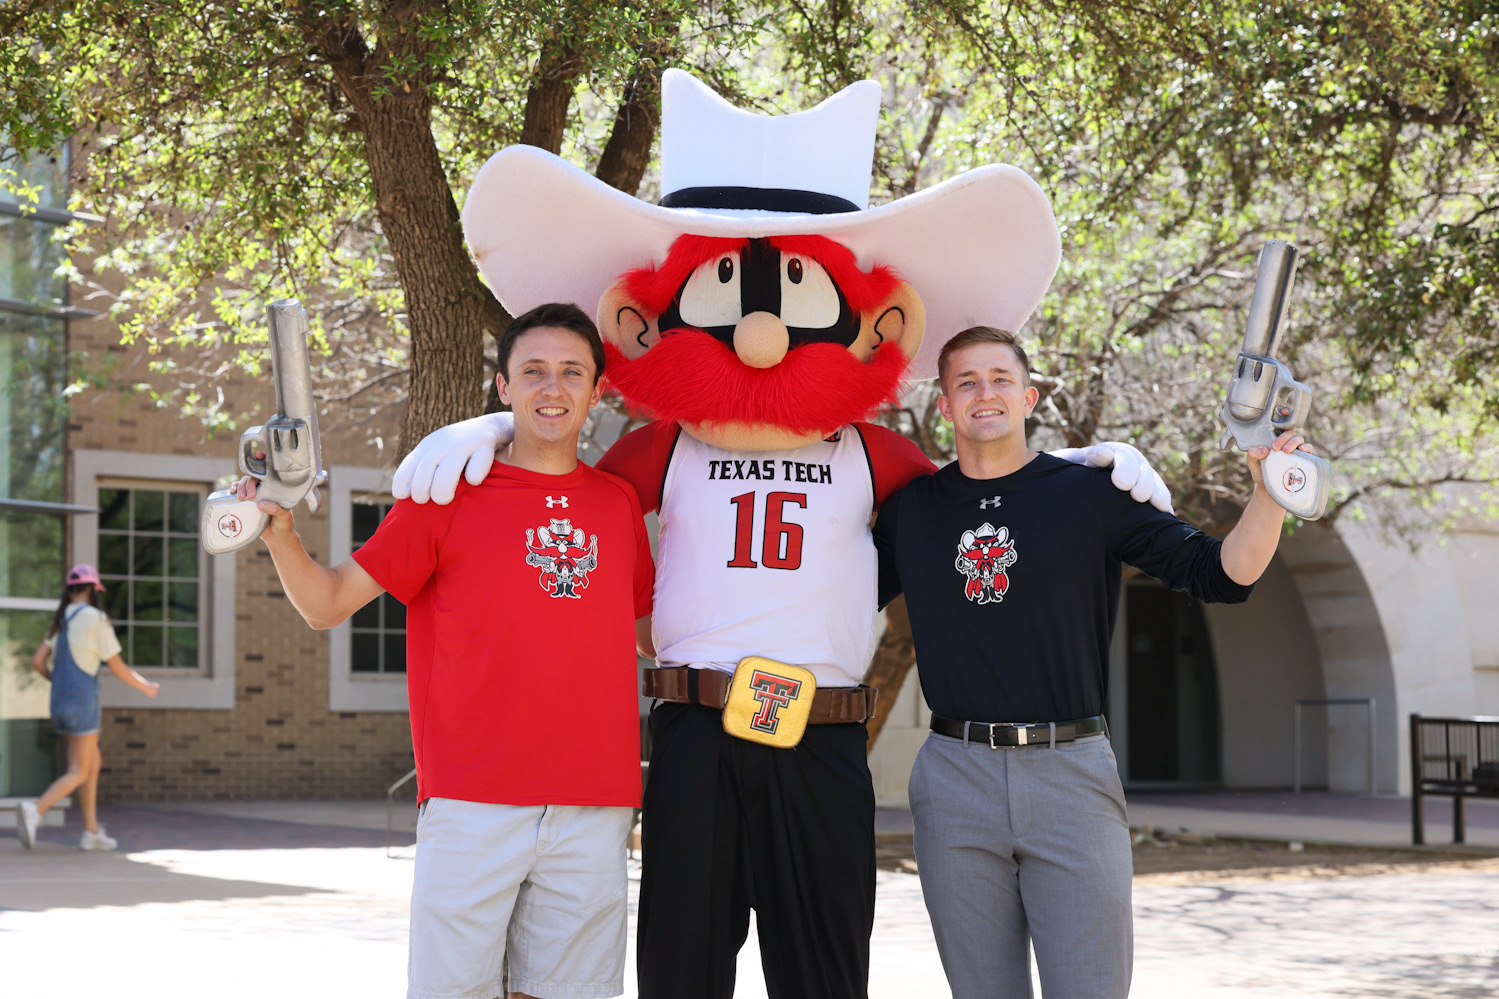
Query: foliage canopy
248,150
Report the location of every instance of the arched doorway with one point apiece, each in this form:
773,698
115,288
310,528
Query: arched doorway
1172,699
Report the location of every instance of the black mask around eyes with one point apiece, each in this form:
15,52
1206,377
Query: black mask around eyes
760,278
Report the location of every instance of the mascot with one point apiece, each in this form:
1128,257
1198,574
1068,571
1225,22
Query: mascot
759,314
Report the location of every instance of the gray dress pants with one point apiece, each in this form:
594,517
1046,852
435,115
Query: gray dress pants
1027,844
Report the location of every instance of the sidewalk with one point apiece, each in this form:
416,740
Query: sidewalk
1310,817
301,899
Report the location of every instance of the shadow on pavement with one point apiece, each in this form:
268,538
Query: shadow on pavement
53,876
162,828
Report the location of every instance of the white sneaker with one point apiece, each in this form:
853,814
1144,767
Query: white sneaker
97,840
27,820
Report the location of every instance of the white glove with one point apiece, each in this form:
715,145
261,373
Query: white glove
432,468
1132,473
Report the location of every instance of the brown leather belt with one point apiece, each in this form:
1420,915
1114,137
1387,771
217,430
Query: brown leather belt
997,735
710,688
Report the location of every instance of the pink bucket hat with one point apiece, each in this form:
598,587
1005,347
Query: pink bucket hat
84,573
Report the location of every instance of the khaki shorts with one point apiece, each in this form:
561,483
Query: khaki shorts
544,883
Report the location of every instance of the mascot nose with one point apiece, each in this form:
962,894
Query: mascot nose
761,340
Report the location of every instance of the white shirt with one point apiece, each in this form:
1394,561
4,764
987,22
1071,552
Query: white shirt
91,638
768,553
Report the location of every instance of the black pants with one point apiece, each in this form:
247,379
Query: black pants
729,825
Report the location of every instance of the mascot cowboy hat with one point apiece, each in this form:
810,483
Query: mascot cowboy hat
980,248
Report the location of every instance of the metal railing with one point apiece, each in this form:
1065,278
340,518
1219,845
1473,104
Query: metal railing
1329,702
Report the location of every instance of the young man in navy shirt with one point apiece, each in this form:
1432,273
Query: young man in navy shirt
1011,564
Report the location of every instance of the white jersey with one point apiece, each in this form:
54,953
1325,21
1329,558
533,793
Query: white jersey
768,553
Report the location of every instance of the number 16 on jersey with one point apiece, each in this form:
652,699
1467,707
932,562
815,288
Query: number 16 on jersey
781,542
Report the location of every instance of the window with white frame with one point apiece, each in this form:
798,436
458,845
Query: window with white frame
377,631
367,653
154,571
98,479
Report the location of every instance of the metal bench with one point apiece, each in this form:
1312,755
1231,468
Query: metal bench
1458,757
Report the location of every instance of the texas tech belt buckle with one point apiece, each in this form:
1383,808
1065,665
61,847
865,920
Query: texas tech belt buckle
769,702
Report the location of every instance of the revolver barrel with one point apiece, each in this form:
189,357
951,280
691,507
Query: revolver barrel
1272,293
289,440
289,368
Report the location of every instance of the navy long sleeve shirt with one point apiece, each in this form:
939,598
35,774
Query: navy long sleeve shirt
1012,584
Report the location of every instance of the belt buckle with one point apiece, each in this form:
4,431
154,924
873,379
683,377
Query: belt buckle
769,702
993,731
1023,732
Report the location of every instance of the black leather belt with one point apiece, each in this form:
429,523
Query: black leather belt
998,735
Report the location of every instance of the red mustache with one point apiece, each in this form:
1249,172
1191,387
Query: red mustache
691,377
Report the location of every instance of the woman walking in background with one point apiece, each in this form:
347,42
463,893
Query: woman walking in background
80,639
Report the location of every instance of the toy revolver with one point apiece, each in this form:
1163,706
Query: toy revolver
284,453
1264,400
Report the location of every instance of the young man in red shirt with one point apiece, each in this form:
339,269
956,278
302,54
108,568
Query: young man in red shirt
521,671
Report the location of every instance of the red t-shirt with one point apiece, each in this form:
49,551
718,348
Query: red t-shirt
521,599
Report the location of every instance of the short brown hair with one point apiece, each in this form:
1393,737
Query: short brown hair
562,316
975,335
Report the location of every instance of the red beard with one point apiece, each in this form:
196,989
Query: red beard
691,377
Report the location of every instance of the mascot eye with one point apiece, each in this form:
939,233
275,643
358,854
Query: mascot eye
711,295
809,299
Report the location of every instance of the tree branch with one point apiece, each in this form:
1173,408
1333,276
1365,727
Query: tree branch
628,151
550,94
1337,508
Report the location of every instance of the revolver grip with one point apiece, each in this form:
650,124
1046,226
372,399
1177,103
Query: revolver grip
229,523
1298,481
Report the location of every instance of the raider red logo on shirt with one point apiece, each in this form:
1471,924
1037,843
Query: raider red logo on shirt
557,550
983,557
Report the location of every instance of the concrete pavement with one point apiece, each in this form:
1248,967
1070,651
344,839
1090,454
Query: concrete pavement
225,900
1311,817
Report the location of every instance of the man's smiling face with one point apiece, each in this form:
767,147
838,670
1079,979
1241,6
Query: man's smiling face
986,393
551,384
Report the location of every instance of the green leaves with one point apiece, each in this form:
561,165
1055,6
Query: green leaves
228,147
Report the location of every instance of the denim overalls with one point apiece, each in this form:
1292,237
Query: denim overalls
75,694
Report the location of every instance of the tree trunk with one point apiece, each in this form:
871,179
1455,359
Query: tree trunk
892,661
628,151
445,302
446,305
550,95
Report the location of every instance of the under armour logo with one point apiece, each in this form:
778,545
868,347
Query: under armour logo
986,503
562,502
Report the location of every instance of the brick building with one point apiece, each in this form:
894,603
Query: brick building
253,702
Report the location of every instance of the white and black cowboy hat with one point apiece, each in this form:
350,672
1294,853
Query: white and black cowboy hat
980,248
